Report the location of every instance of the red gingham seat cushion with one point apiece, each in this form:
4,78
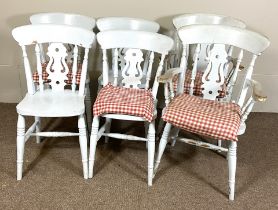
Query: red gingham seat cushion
128,101
197,90
69,75
205,117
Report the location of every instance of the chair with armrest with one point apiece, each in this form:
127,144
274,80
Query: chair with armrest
205,114
175,55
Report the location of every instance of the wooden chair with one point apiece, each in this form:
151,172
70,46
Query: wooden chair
72,20
125,23
175,54
206,114
59,93
124,99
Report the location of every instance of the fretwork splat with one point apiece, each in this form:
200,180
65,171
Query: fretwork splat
213,77
57,63
132,72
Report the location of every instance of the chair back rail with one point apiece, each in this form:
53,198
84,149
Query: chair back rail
64,18
203,18
245,39
126,23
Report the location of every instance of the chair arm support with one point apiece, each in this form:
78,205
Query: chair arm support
169,75
257,92
257,96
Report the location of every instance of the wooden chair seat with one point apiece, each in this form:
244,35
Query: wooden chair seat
127,101
51,104
204,117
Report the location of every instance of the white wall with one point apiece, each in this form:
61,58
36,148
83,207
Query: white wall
258,15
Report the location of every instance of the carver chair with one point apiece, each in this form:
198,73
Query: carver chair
72,20
175,54
60,91
206,114
125,99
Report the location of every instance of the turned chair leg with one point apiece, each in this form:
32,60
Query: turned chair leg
20,145
174,133
162,145
93,145
83,144
88,107
151,150
107,128
146,125
161,123
38,129
232,158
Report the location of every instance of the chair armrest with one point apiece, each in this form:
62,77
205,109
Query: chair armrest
258,94
169,75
